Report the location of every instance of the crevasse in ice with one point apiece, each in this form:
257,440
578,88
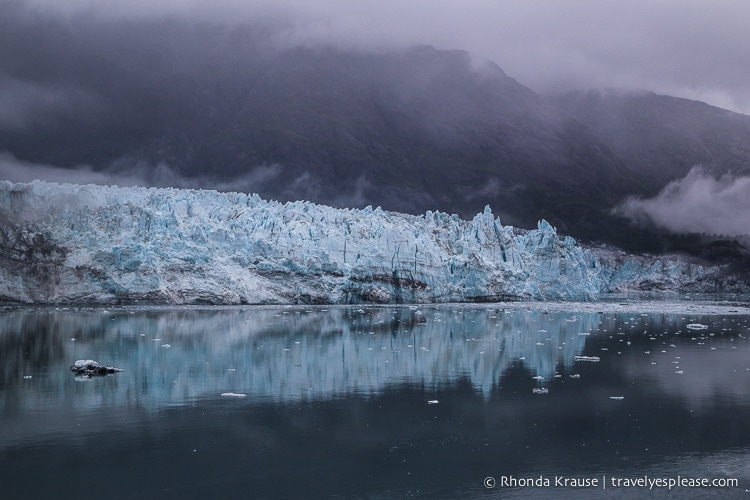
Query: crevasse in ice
64,243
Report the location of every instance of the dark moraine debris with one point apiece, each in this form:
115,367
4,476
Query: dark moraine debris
89,368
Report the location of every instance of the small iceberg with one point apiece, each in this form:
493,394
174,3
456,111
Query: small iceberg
617,397
592,359
90,368
539,390
432,402
696,326
233,395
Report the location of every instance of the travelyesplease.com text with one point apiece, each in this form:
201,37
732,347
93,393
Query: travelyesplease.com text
610,481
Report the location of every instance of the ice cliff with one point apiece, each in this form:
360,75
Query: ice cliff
62,243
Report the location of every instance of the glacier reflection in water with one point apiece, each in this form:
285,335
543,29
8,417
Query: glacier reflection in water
172,356
338,398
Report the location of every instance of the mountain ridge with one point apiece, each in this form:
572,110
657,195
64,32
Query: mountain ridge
412,130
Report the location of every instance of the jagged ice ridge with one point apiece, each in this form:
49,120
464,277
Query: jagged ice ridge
64,243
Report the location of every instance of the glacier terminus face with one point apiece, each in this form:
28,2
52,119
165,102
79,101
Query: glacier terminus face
64,243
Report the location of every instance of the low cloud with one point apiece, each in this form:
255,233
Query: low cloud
15,170
125,173
688,49
698,203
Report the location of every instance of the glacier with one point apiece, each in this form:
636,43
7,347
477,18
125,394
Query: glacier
66,243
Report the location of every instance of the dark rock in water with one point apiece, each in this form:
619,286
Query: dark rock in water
89,368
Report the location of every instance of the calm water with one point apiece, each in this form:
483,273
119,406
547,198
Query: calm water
290,402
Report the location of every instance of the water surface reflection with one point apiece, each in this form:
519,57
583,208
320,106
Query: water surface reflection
175,356
338,397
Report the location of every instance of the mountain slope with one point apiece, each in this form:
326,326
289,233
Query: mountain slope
661,137
413,130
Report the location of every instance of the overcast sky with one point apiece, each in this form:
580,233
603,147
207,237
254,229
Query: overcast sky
693,49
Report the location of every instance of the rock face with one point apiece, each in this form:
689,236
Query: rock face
100,244
89,368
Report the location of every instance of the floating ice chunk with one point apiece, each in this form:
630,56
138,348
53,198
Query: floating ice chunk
233,394
617,397
696,326
575,375
166,346
432,402
538,377
539,390
89,367
27,376
592,359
